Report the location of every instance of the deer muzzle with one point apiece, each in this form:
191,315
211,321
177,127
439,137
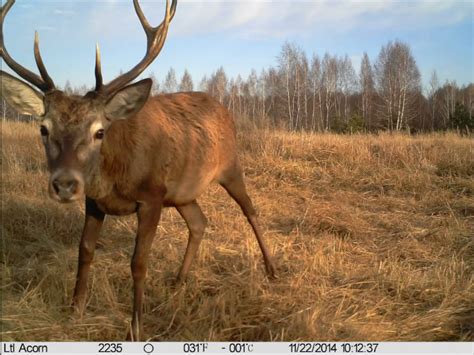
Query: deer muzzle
66,185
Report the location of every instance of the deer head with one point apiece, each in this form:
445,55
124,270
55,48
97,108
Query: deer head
73,127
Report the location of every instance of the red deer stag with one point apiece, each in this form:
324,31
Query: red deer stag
128,153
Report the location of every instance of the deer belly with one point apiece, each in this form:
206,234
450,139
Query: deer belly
186,190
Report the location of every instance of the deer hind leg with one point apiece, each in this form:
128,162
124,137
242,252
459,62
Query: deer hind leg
196,222
233,182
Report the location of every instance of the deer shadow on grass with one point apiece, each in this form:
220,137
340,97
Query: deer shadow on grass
40,240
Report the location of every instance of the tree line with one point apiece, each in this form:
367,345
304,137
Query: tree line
325,93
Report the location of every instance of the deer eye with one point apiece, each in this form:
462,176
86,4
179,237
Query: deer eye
99,134
44,131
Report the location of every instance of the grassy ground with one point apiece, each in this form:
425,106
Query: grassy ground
372,236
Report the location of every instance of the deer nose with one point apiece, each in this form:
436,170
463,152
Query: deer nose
67,184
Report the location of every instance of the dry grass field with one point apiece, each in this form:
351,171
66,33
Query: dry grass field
372,236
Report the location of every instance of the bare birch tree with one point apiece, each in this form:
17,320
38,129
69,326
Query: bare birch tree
289,65
186,83
315,81
366,82
433,97
348,84
398,84
448,101
330,81
219,84
170,84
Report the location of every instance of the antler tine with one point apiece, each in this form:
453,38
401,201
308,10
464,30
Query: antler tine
44,83
174,4
145,24
39,62
98,69
150,30
155,40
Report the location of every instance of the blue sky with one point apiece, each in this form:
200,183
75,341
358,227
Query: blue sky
239,35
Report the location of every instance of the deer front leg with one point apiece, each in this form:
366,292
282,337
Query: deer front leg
90,234
148,218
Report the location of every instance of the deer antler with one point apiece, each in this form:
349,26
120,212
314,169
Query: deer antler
44,83
155,40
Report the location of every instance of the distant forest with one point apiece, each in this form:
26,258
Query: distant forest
326,94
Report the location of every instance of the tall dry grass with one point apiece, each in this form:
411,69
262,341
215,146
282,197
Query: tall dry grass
372,236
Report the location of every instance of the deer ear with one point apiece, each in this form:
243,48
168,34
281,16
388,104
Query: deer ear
128,101
21,96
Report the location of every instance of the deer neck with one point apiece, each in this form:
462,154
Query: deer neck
97,184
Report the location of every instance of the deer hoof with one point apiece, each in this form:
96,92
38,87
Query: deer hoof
77,307
271,273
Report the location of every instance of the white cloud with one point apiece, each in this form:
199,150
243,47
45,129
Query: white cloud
46,28
281,18
63,12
